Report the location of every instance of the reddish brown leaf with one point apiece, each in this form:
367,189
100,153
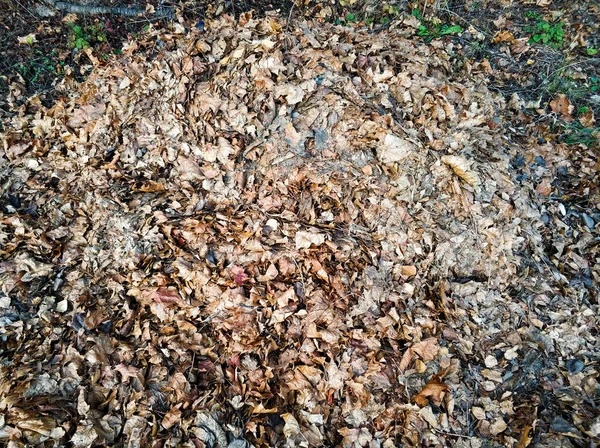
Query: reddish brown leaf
166,296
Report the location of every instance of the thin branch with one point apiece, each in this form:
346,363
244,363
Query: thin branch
287,25
451,434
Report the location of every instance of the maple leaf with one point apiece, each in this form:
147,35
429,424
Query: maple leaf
166,296
562,106
239,274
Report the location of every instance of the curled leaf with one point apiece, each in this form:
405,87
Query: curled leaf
462,168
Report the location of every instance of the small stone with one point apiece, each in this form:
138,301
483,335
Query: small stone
489,386
562,209
540,161
62,306
491,361
589,222
574,366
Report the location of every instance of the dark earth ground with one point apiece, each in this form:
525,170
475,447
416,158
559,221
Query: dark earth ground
529,76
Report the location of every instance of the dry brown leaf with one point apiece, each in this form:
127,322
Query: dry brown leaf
427,414
84,436
498,426
427,349
292,136
239,274
293,94
587,119
503,36
544,188
525,439
172,418
150,187
409,271
394,149
135,184
562,106
260,409
434,392
407,358
291,427
478,413
271,274
166,296
462,168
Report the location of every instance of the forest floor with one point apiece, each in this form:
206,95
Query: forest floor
321,224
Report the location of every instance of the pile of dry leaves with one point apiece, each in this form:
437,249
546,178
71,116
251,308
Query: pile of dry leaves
301,237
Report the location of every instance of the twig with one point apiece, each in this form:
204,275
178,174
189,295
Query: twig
26,9
287,24
452,434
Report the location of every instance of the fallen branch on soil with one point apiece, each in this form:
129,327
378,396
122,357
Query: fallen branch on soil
97,10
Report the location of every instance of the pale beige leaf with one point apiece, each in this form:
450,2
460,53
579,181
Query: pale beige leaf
304,240
394,149
291,427
498,426
462,168
30,39
293,94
